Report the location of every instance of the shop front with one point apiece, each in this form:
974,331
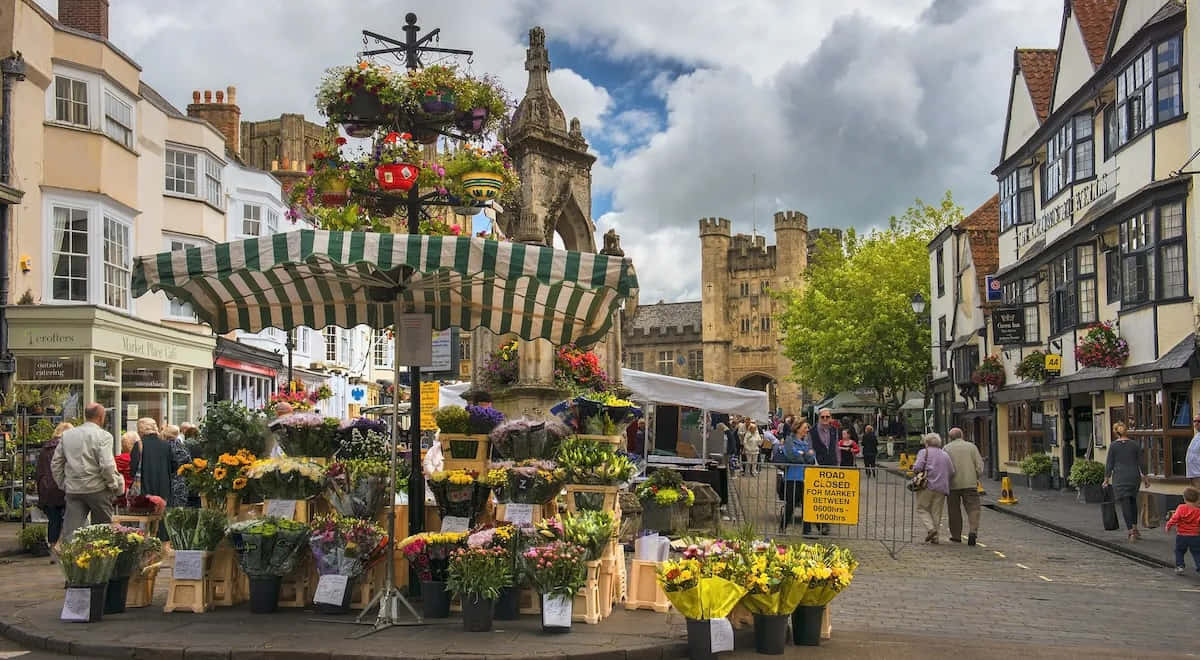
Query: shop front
134,368
246,374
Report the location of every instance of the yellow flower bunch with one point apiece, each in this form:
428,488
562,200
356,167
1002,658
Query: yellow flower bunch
200,463
496,477
456,477
679,574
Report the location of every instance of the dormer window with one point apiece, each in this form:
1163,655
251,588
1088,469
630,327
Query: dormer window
1016,198
1069,155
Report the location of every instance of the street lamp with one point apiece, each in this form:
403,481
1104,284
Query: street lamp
918,303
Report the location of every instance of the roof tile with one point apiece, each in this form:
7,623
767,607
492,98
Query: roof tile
1095,19
983,232
1037,67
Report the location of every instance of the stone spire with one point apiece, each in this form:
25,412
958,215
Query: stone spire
538,108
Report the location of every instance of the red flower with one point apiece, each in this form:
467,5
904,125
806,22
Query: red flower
340,140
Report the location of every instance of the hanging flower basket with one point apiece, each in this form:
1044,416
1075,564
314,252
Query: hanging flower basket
438,103
1033,367
335,192
482,186
397,176
358,129
990,372
472,121
1101,347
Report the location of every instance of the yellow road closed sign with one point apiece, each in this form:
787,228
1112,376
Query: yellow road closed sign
831,495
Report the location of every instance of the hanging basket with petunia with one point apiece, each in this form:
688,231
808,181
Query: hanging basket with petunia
990,372
1033,367
1101,347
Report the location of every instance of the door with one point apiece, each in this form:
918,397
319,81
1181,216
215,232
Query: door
1084,432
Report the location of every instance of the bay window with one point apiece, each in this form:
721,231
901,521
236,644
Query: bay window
1149,91
89,100
71,101
90,252
194,174
1023,293
251,220
69,255
1073,289
1068,155
1153,255
118,119
1016,198
178,309
117,263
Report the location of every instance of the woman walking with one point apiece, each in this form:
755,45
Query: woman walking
751,445
870,448
847,449
151,458
51,498
179,456
938,469
1123,470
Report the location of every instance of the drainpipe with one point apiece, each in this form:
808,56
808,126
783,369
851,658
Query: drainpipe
12,69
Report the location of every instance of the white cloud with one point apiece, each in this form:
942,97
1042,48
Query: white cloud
580,98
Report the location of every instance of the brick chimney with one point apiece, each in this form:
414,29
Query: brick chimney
87,15
223,113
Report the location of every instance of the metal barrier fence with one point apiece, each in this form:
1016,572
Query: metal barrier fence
886,509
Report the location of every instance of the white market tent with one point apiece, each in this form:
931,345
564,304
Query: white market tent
657,388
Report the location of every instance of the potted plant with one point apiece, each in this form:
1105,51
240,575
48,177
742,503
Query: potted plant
434,88
359,96
397,156
990,372
1037,468
307,434
87,566
482,174
557,571
344,547
482,104
665,501
477,575
133,545
704,586
1101,347
1032,367
357,488
1087,476
513,540
40,432
827,571
429,554
33,540
267,549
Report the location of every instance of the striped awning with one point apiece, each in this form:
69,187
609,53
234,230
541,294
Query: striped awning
320,278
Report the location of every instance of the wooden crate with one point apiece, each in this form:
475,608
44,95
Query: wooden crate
587,602
141,587
529,601
305,509
296,588
609,493
147,523
191,595
477,462
539,512
645,593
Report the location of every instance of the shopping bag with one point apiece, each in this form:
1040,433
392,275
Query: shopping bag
1108,509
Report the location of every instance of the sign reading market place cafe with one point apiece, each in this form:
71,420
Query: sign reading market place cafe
1081,197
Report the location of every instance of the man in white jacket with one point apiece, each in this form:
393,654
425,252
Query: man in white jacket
84,468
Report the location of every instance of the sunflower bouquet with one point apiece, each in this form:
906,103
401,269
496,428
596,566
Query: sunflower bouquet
429,553
218,478
88,563
287,478
458,492
707,582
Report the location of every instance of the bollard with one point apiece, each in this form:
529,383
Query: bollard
1006,492
979,488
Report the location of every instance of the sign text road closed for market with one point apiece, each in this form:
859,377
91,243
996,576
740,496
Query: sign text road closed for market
831,495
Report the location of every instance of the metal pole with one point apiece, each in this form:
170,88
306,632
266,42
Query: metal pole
416,479
291,347
12,69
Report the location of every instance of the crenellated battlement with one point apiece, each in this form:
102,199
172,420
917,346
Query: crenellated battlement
791,220
715,227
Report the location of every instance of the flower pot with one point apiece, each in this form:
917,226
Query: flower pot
114,595
365,105
435,600
358,129
40,549
472,121
1092,493
264,594
806,625
96,600
770,633
482,186
556,613
668,519
426,135
347,597
397,176
507,605
699,639
476,612
1040,482
335,192
438,103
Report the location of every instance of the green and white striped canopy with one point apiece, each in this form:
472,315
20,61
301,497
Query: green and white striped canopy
320,278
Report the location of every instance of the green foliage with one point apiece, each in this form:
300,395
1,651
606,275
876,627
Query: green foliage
452,419
229,426
1032,367
851,325
32,536
1086,473
42,431
1035,464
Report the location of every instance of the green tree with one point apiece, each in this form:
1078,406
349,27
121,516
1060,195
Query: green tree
851,325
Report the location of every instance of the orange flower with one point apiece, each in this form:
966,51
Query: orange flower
362,65
219,473
239,483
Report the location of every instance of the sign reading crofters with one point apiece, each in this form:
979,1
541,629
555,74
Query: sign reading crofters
1008,326
831,495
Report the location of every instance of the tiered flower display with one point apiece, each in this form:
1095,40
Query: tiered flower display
1101,347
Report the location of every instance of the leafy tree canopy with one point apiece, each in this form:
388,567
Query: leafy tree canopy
851,325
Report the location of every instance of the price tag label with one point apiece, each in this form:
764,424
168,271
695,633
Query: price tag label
556,611
518,514
455,524
331,589
77,604
720,635
189,565
281,508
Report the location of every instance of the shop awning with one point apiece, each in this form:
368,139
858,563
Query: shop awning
1030,392
320,278
657,388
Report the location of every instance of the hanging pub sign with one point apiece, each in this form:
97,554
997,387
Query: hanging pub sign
1008,326
1053,364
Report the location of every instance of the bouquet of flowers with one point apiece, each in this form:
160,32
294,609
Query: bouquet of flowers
665,487
707,582
577,370
479,572
357,488
429,553
590,530
140,505
500,367
828,570
458,493
774,585
557,569
287,478
195,529
363,438
88,563
215,479
345,546
268,546
482,420
136,549
523,439
527,482
452,419
594,463
306,434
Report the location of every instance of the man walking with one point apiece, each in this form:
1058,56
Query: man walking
823,439
84,468
968,465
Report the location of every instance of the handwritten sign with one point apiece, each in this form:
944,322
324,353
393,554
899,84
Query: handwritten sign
455,524
331,589
556,611
281,508
831,495
189,565
77,604
720,635
430,391
518,514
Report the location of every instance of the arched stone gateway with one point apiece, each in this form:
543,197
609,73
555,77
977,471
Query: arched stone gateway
763,383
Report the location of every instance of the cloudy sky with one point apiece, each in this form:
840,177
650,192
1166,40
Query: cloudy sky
844,110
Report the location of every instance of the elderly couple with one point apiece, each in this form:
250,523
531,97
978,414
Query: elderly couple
951,473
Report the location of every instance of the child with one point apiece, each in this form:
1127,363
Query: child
1187,518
